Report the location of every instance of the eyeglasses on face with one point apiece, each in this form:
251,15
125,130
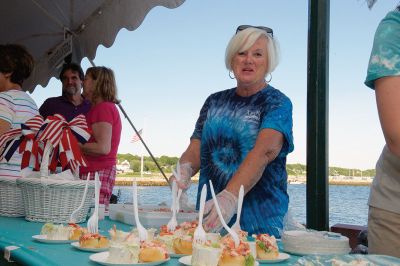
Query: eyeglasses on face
266,29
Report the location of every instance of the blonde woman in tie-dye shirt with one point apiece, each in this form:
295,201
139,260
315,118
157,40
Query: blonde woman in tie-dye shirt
384,77
16,106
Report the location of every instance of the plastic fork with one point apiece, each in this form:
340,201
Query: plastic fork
178,199
200,236
74,215
236,225
177,174
173,222
93,222
234,235
141,230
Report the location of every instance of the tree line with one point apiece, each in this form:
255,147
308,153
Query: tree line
166,163
300,170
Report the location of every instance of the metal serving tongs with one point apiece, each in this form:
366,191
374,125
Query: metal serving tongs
234,235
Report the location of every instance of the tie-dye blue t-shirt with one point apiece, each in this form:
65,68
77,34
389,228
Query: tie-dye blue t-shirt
227,127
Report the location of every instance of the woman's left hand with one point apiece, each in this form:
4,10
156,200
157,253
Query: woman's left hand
227,203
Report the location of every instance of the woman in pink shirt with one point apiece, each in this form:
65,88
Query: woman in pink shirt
103,119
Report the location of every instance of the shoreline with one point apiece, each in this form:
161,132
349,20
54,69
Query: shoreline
160,181
145,181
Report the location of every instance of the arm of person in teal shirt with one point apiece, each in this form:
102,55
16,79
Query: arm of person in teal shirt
387,91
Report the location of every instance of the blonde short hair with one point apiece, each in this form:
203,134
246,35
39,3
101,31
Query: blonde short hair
244,39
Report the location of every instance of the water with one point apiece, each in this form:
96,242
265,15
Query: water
347,204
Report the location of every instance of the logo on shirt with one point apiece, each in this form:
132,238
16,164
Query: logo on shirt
252,116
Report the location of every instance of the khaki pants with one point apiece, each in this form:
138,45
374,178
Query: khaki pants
383,232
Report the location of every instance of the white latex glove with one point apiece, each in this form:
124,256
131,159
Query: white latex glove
182,175
185,204
227,203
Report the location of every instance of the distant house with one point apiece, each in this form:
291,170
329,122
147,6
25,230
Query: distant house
123,167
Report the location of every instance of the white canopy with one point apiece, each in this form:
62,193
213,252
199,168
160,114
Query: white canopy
53,29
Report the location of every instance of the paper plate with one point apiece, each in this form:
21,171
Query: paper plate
76,245
314,253
282,257
187,260
101,258
174,255
350,259
43,239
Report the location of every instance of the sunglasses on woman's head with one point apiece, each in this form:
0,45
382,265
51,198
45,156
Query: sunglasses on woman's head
266,29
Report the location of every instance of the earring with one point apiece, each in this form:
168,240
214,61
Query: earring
231,76
268,81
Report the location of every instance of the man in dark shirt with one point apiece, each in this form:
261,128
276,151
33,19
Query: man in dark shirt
71,103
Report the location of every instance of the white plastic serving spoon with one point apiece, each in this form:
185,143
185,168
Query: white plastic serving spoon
236,225
199,235
173,222
141,230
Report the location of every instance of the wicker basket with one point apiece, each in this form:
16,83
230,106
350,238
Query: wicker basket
10,198
52,200
47,200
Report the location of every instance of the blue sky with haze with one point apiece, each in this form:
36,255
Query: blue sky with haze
168,66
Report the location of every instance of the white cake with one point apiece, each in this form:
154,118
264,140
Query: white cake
123,253
56,231
204,255
315,242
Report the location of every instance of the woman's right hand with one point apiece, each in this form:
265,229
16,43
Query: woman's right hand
182,175
182,185
227,202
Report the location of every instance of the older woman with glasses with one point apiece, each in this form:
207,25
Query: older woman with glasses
242,137
103,118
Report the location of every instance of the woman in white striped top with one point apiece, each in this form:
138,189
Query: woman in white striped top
16,106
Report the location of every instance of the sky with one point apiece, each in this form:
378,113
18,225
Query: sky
167,67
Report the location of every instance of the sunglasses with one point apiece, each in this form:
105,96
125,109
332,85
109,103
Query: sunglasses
266,29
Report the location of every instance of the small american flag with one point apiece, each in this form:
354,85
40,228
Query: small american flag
136,136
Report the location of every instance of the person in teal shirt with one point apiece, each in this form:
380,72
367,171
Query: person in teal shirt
383,76
242,137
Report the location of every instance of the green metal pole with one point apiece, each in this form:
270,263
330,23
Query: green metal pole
317,115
